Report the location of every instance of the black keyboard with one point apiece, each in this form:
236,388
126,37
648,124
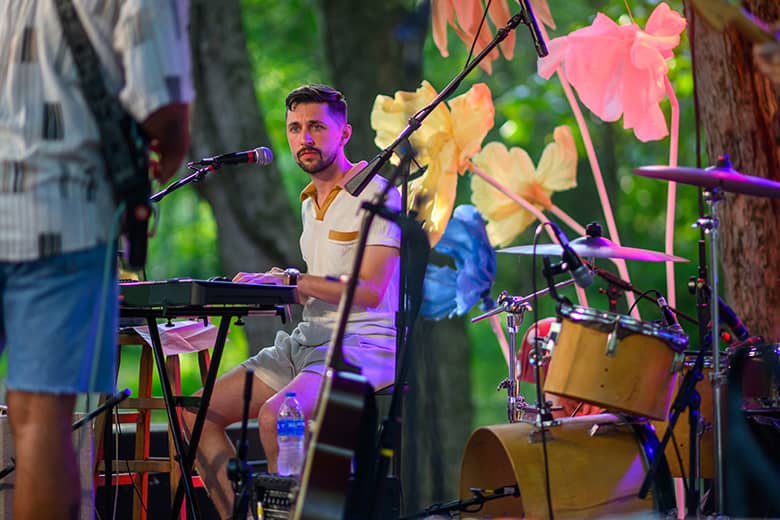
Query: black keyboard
188,292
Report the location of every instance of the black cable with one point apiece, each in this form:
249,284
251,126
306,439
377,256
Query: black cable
642,295
476,36
677,453
537,372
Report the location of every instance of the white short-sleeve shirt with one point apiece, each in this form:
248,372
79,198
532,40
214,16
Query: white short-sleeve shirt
328,244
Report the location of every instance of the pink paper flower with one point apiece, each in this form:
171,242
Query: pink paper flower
620,69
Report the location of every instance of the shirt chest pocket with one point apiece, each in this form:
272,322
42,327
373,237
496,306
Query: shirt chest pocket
341,250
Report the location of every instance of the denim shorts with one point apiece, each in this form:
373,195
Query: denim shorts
50,314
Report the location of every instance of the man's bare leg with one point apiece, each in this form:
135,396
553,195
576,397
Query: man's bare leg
306,386
47,478
215,449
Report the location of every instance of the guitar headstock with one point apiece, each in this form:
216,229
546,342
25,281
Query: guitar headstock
720,14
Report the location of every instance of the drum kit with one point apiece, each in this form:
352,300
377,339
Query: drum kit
636,377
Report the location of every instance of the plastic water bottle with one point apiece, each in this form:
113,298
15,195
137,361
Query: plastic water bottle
289,433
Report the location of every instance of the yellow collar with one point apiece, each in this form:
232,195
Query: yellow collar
310,191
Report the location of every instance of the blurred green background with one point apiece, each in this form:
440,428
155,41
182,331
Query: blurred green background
284,43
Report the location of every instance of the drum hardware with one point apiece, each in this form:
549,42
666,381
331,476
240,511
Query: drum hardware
515,307
541,435
678,362
612,340
529,413
714,181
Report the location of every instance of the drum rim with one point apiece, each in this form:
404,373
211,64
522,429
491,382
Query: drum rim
606,321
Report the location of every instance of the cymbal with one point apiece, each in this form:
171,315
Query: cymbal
723,177
595,247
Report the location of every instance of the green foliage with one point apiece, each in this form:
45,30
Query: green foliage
185,243
285,50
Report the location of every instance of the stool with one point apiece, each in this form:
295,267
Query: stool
136,471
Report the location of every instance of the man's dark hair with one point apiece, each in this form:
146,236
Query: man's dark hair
319,94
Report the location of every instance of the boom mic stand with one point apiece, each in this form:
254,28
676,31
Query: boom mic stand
104,407
356,185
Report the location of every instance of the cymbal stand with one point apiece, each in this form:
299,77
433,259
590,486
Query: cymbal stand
709,225
516,306
514,318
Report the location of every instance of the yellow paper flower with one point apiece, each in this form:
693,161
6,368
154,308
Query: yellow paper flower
445,142
557,171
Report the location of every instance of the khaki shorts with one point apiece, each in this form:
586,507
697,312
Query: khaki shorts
278,365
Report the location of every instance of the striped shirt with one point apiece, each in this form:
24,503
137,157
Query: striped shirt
54,195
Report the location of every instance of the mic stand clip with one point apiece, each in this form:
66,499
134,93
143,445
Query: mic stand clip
197,175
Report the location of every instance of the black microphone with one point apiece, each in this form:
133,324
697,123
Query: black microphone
530,20
669,316
574,263
261,155
731,319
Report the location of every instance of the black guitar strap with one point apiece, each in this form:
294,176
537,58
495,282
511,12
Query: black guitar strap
123,144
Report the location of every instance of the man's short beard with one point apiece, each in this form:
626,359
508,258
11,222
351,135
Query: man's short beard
323,164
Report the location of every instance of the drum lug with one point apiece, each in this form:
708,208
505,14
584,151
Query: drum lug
678,362
601,429
612,340
535,436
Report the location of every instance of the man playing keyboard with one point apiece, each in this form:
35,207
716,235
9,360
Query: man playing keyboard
317,131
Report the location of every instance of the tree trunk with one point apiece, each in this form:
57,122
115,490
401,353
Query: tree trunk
437,415
256,226
739,111
372,48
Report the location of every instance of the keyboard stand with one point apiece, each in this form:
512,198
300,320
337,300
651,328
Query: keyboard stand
186,456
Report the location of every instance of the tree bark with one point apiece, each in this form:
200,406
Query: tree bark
256,226
739,112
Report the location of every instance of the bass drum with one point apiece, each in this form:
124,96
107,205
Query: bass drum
596,467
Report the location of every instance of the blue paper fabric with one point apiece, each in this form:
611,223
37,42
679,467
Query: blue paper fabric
452,292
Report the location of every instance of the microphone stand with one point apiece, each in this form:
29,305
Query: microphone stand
197,175
357,184
105,407
480,496
238,469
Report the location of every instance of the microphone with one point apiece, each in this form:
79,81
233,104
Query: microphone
731,319
530,20
579,272
261,155
669,316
